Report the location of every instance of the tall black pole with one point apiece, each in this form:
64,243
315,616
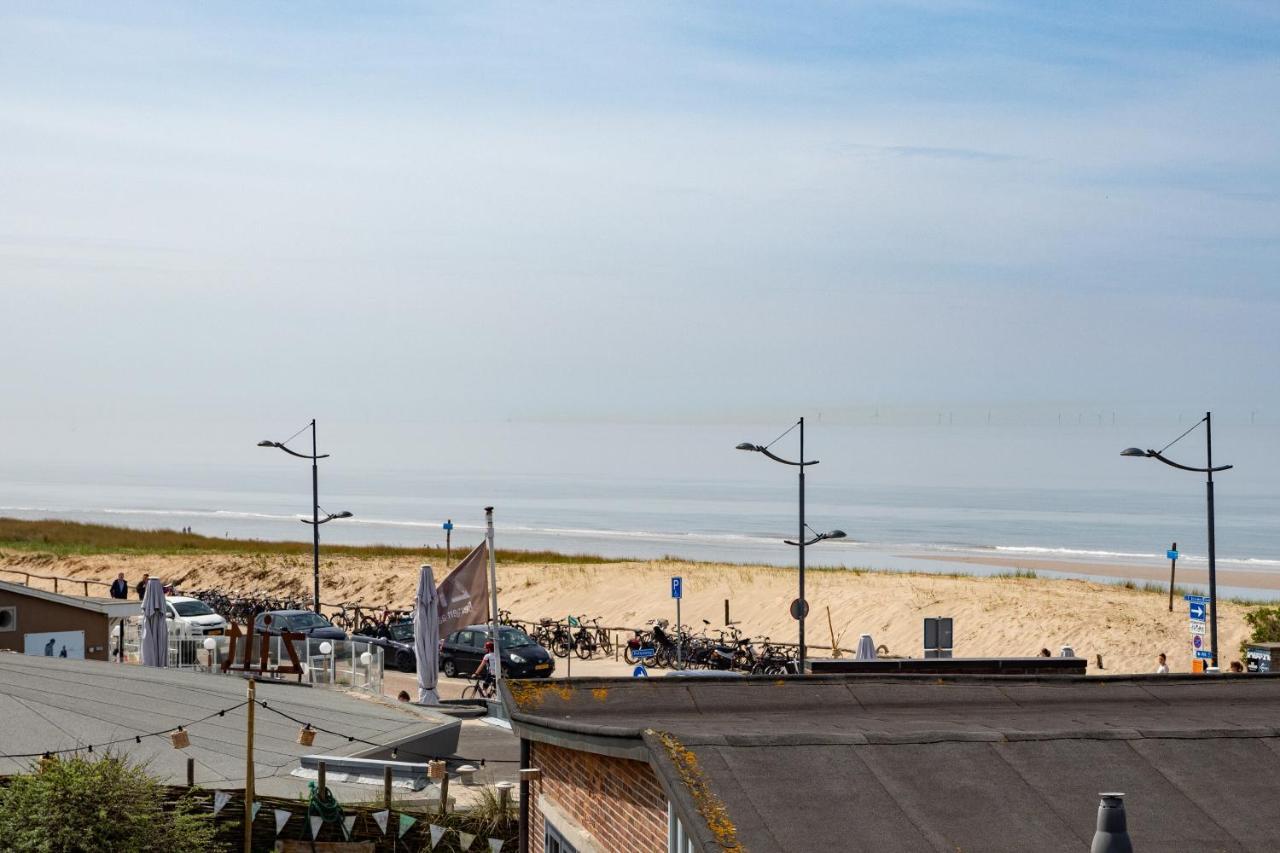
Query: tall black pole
1213,566
315,515
801,539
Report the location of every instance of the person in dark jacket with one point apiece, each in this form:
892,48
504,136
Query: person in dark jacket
142,585
120,587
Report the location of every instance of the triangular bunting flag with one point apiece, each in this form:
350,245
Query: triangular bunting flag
220,800
495,845
348,823
282,817
465,839
405,823
381,819
437,832
316,823
253,812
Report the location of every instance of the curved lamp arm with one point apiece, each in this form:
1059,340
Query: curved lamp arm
758,448
1156,455
292,452
330,517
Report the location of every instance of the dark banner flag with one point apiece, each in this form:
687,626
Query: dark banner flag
464,593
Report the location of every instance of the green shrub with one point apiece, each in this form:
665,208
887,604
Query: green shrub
1265,622
79,804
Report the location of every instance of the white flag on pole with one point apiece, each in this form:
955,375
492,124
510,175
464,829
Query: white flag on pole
465,839
253,812
495,845
282,817
220,800
381,819
437,832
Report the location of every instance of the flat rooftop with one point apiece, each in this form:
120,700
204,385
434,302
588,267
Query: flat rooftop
906,763
54,704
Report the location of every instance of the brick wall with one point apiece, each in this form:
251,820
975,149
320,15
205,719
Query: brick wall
617,801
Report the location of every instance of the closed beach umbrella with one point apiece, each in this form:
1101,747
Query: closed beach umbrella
866,648
426,636
155,626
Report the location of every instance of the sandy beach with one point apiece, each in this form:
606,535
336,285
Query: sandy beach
1188,575
993,615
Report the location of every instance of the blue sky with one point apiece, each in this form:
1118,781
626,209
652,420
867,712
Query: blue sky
257,213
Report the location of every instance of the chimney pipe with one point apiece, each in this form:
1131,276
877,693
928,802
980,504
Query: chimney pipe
1112,835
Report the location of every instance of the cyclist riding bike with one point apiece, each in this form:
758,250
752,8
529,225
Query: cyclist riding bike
484,672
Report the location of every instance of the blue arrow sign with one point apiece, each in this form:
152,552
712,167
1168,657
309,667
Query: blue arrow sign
677,587
1172,555
1203,599
639,672
642,654
1197,609
1204,654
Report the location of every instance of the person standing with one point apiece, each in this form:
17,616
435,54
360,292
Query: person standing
1162,665
120,587
141,588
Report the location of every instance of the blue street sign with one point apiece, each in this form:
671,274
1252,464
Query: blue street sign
1197,641
677,587
1197,611
448,525
1203,599
641,654
1172,555
639,672
1204,654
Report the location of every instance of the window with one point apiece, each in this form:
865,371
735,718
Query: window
554,842
467,638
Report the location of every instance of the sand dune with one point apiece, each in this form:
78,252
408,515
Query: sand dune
993,616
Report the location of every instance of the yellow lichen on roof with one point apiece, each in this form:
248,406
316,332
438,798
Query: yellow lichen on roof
530,694
708,804
600,694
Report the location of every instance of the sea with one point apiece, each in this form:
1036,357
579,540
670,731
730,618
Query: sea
646,491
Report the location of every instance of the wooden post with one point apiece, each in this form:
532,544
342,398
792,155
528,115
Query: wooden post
386,787
86,588
320,778
726,612
191,772
248,770
444,794
55,583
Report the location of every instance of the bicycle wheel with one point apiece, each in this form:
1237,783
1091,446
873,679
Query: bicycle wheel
585,647
604,641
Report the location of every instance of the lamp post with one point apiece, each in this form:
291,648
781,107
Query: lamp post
802,607
1208,471
316,520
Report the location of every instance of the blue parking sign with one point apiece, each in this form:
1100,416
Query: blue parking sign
677,587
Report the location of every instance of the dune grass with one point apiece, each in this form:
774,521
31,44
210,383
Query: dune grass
65,538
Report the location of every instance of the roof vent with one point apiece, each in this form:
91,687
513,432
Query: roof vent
1112,835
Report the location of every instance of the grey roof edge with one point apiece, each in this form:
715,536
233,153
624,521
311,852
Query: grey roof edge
678,795
111,608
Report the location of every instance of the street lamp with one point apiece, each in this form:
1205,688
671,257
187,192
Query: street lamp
315,520
802,607
1208,471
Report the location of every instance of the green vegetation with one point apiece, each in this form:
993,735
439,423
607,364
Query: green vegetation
75,803
72,538
1265,622
1024,574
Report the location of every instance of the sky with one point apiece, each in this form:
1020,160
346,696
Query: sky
222,220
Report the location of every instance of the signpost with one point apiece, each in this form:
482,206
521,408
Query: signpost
1172,555
448,541
641,655
1197,610
677,592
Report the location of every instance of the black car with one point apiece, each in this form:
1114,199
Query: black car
305,622
397,646
462,651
